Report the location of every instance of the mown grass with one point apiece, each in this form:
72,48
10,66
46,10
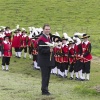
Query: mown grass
22,82
63,16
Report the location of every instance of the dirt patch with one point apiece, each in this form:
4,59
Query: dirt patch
97,88
97,59
46,98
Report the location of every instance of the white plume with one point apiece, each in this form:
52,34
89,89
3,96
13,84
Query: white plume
17,27
30,28
79,34
13,30
2,26
57,34
65,35
23,29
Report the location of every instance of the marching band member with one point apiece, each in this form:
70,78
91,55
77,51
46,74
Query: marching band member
59,55
54,39
30,46
65,56
8,32
1,40
78,64
35,52
6,53
72,59
86,55
24,42
16,43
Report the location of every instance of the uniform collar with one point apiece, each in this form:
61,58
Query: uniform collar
86,42
6,42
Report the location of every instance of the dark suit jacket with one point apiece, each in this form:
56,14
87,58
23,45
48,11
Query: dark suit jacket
44,54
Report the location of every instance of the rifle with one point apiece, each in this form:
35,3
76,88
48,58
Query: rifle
51,45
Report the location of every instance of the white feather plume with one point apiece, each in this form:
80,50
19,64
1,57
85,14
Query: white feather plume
2,26
17,27
23,29
13,30
79,34
65,35
30,28
57,34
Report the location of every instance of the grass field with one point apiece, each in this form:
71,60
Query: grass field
63,16
22,82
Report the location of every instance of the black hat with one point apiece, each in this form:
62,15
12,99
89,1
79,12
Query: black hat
85,36
2,30
18,29
7,27
64,39
6,37
59,40
76,36
35,37
71,42
24,31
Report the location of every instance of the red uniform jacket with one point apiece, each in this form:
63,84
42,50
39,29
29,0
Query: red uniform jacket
8,33
71,54
78,51
6,49
65,52
34,46
58,54
16,41
86,51
29,42
24,41
1,39
55,53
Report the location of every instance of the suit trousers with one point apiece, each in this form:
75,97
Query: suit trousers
45,73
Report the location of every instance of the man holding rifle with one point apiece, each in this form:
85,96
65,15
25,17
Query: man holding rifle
45,58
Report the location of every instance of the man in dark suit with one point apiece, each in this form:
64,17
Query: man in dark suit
45,59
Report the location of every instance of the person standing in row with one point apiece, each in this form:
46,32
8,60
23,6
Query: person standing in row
6,53
45,59
87,57
1,40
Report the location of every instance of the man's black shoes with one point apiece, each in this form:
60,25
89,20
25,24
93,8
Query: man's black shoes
46,93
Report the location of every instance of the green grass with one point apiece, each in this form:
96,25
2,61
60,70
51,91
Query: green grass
22,82
62,15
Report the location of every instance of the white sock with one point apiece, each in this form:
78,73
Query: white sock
58,71
62,74
83,75
30,56
7,67
76,73
51,71
16,54
34,64
3,67
38,67
66,72
24,55
55,70
87,76
72,74
19,54
0,53
80,74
